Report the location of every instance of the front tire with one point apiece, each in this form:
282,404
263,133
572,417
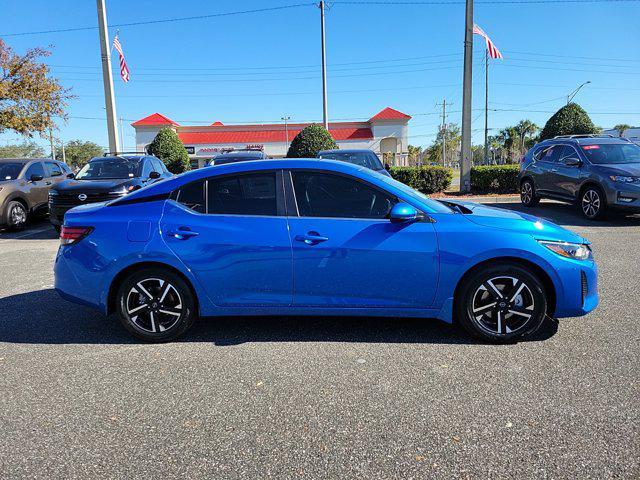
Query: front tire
528,195
155,305
501,303
16,215
593,203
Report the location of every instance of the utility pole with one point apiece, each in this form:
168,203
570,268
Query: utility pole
53,147
465,159
121,136
64,155
286,118
325,115
107,78
486,106
443,130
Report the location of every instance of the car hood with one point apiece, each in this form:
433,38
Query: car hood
511,220
95,185
622,169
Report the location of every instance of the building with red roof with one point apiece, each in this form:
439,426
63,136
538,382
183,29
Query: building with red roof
385,133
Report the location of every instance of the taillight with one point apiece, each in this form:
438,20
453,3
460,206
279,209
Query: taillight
71,235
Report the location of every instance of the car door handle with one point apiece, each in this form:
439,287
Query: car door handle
553,170
47,183
311,238
183,233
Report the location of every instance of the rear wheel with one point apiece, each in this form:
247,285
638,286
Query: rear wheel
155,305
528,194
593,203
501,303
16,215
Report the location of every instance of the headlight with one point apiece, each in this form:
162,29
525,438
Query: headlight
577,251
52,193
624,179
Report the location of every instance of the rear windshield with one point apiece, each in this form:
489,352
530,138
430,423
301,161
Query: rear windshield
364,159
10,171
109,168
232,159
611,154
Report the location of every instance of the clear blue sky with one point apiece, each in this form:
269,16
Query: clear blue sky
258,67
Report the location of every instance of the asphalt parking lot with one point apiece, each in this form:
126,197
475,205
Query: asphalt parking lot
318,397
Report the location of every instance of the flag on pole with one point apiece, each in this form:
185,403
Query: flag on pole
124,70
491,48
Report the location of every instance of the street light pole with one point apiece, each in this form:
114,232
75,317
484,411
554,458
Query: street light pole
465,160
107,78
325,115
286,118
575,92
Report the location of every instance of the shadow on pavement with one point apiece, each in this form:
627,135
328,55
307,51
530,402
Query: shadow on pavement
35,230
43,317
568,215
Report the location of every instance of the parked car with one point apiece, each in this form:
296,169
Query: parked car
24,185
364,158
303,237
102,179
596,173
238,156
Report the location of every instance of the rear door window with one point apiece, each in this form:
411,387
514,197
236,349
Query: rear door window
34,169
550,154
192,196
253,194
52,169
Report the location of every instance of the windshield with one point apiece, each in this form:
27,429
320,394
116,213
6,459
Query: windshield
612,153
436,206
364,159
109,168
10,171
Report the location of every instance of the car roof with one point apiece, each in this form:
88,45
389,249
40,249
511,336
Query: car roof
121,157
26,160
241,153
587,140
347,150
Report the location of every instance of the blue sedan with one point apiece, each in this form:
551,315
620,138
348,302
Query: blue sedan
317,237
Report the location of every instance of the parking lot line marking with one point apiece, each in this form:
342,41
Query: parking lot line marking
25,235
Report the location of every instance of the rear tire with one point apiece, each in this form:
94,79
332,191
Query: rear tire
16,215
528,194
155,305
501,303
593,203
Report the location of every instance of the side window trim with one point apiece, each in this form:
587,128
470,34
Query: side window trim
339,174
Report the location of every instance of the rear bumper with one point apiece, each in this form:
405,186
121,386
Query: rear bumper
69,286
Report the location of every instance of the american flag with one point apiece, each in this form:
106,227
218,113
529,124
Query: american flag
124,70
491,48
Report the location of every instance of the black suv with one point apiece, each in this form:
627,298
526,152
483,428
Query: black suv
102,179
597,173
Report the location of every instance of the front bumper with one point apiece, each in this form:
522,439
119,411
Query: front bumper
623,196
579,293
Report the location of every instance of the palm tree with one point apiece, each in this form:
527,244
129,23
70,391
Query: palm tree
525,129
621,127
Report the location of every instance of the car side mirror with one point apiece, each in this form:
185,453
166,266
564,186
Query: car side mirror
36,178
154,175
71,175
572,162
403,213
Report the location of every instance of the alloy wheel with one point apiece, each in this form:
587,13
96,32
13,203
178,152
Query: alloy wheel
526,193
591,203
17,215
502,305
154,305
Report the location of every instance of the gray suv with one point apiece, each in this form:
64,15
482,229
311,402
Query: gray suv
596,173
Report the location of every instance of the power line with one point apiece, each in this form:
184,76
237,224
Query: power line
489,2
165,20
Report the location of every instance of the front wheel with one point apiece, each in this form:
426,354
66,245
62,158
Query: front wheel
155,305
501,303
16,215
593,203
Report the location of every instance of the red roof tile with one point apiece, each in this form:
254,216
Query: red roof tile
266,136
390,114
217,124
152,120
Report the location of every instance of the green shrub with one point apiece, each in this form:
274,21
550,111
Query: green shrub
424,179
168,148
495,179
310,141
